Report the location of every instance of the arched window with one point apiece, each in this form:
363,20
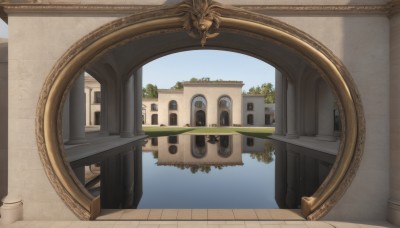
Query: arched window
154,119
250,106
199,109
173,119
224,111
154,107
173,105
250,119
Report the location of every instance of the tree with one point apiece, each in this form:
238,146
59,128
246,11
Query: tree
150,91
266,89
178,85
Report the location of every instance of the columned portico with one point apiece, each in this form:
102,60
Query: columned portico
278,103
104,110
325,112
128,118
291,111
394,200
138,101
77,112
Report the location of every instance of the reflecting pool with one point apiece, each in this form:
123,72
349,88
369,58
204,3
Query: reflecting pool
210,171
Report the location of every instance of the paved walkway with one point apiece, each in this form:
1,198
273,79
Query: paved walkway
195,224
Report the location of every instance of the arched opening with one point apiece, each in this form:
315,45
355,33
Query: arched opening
199,149
199,108
224,110
173,105
173,119
260,31
154,119
200,118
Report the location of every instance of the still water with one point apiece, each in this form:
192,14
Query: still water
217,171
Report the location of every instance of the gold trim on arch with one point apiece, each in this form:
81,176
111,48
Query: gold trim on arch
53,94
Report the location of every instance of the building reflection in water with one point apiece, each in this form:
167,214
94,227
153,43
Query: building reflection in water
298,171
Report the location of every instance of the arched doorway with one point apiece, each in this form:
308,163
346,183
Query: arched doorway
261,34
224,119
224,110
173,119
199,109
200,118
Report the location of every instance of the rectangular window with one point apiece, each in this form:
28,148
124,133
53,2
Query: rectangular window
97,97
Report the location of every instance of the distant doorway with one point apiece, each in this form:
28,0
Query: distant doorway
200,118
173,119
97,117
224,119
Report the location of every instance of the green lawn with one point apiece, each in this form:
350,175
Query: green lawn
260,132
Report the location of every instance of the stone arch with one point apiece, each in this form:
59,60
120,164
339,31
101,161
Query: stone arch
163,22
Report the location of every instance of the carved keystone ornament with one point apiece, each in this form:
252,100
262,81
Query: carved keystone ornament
200,18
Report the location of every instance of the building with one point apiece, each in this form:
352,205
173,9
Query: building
220,103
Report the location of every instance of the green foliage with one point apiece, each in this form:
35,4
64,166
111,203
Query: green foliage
178,85
150,91
266,89
267,156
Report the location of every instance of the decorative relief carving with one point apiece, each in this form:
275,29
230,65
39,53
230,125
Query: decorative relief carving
200,18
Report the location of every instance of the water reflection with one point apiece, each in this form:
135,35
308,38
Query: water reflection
210,171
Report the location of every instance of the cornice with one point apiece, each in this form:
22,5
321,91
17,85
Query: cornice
264,9
394,8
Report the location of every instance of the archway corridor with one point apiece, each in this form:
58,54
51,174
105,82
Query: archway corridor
310,82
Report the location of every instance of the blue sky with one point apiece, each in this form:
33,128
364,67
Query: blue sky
3,29
166,71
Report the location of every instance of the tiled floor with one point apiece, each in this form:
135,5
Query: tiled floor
194,224
201,214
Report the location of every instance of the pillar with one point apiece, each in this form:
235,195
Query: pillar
278,103
291,111
77,117
326,105
128,115
394,198
138,101
104,110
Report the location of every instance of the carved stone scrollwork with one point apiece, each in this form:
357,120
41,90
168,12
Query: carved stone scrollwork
200,18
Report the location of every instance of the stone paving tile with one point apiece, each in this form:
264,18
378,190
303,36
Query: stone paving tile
168,226
184,214
317,224
232,226
169,214
158,223
110,214
217,214
199,214
263,214
135,214
279,214
125,226
245,214
155,214
253,224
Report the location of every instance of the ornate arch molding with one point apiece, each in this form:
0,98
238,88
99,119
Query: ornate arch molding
59,81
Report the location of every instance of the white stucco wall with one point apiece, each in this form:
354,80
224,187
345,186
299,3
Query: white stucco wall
258,111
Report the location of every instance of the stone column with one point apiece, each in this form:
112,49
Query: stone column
394,199
278,103
104,111
326,106
77,117
138,101
291,111
128,115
